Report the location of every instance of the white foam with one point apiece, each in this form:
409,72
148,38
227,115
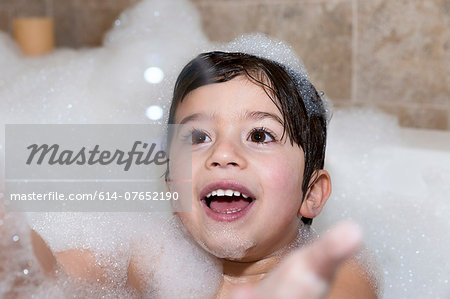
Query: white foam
397,194
262,46
173,265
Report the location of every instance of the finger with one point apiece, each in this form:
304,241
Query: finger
338,244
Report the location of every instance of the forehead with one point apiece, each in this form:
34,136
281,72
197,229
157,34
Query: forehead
229,99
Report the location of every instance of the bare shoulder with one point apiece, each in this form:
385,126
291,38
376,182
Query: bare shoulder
76,263
79,263
353,281
141,270
135,275
43,253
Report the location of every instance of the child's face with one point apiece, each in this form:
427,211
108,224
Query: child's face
236,146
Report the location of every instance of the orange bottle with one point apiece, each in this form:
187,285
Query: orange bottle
33,27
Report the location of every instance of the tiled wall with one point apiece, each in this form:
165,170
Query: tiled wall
78,23
394,55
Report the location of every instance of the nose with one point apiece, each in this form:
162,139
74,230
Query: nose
226,154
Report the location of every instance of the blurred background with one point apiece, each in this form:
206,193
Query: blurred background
393,55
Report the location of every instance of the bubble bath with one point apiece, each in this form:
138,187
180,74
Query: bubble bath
398,192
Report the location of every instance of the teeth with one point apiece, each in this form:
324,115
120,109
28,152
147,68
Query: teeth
228,212
233,211
228,192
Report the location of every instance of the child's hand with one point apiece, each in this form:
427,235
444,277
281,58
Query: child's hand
308,272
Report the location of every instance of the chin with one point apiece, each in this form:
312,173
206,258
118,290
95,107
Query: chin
222,239
231,250
225,243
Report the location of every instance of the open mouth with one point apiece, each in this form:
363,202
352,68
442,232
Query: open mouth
227,201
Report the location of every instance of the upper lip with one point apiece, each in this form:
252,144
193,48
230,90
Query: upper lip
226,184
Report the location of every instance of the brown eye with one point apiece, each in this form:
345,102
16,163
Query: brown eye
199,137
261,136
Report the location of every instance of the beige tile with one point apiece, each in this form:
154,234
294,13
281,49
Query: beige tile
342,103
81,23
448,117
259,1
321,33
96,4
65,24
95,18
7,3
417,116
420,117
5,18
34,8
223,22
130,3
93,23
403,51
104,4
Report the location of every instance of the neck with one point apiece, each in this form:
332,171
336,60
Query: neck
237,272
240,273
244,273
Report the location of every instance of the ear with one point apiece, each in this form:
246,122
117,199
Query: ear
317,194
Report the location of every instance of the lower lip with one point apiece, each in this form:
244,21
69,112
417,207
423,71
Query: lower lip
223,217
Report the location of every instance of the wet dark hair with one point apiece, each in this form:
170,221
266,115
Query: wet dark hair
304,115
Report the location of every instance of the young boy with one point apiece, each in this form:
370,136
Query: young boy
258,148
258,135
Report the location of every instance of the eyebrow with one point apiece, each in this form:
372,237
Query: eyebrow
254,115
194,117
259,115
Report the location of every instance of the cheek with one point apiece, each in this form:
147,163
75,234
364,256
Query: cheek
281,180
